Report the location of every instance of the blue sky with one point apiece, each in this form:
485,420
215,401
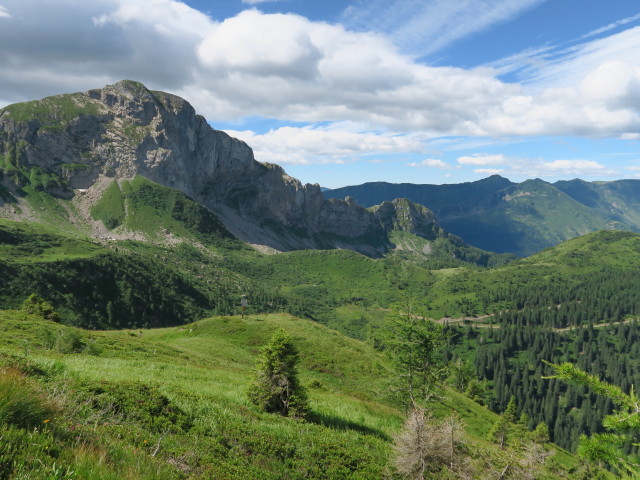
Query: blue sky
346,92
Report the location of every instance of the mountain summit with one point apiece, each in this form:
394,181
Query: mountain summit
74,145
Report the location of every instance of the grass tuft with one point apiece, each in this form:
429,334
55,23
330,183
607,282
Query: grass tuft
20,404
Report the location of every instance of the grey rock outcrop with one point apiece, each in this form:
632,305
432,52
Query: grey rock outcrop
123,130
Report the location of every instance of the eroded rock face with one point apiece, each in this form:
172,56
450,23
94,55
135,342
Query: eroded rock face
123,130
402,214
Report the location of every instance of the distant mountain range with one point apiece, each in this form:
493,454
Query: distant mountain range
498,215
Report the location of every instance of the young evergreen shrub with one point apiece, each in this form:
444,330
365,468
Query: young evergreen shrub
69,341
276,388
36,305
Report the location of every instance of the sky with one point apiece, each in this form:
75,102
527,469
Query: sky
342,92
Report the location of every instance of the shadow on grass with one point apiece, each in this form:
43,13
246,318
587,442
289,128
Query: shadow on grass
342,424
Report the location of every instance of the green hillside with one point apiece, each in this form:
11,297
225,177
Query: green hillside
130,284
172,403
189,265
140,205
125,352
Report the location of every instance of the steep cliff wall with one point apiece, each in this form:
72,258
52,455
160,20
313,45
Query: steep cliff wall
123,130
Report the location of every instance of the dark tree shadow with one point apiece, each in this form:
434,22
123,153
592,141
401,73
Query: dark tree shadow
342,424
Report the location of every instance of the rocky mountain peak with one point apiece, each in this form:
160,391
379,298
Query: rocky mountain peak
124,130
404,215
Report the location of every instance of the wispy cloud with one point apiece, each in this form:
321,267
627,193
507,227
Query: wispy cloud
422,27
4,13
482,159
574,167
542,168
611,26
489,171
287,67
566,64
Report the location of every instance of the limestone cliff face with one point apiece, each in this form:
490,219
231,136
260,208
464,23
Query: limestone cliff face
124,130
402,214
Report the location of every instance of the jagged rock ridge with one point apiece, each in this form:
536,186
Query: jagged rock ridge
122,130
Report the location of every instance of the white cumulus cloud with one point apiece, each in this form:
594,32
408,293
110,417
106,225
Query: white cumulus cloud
489,171
575,167
304,145
431,162
287,67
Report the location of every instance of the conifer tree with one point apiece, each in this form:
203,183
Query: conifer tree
276,388
415,344
504,425
540,434
622,425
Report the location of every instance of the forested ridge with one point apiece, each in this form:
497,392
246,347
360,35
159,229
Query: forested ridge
590,320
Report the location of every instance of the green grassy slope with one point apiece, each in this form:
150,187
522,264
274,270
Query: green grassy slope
141,205
172,403
53,113
599,250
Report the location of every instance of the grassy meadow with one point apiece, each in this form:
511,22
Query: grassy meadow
172,403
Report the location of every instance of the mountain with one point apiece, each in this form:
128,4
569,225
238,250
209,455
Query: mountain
75,158
498,215
618,200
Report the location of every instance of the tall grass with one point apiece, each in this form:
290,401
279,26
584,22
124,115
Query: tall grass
20,404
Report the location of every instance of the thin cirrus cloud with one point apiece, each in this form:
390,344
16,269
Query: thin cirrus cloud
424,27
4,13
566,65
612,26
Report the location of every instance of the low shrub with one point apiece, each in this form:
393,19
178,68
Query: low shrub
135,403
